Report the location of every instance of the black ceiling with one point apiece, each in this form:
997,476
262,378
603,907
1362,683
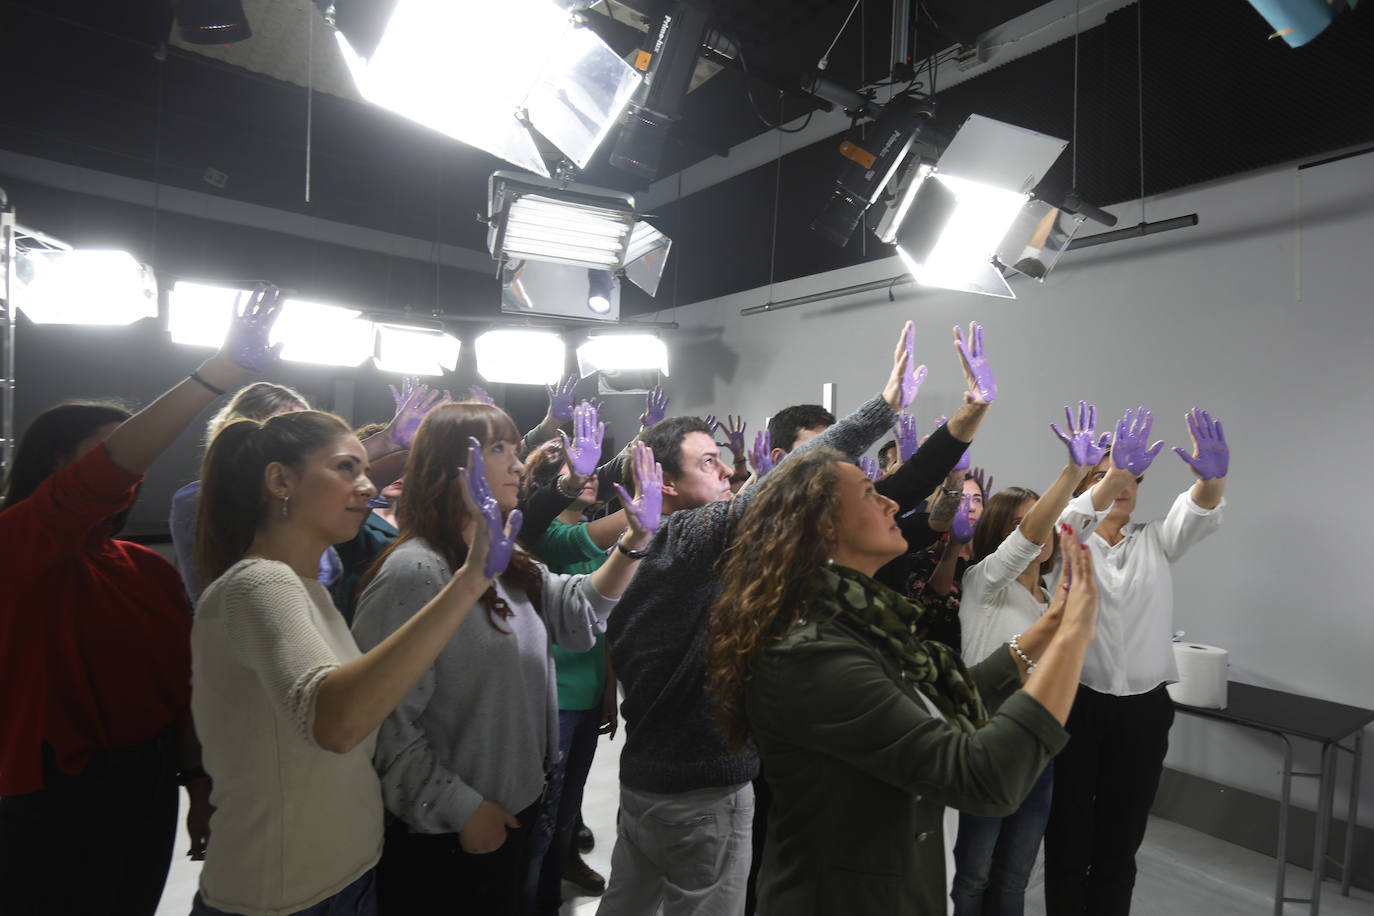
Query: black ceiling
85,87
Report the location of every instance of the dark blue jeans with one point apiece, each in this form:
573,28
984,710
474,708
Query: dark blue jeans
993,856
577,734
358,899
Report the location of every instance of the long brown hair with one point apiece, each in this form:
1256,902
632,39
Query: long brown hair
781,539
431,505
998,520
233,490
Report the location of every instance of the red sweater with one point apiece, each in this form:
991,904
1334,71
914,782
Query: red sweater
94,633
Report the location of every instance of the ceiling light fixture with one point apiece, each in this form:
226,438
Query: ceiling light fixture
408,350
76,286
564,81
615,353
518,356
312,332
668,59
969,219
533,219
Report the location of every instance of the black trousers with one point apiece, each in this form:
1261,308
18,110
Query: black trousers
96,843
424,873
1104,784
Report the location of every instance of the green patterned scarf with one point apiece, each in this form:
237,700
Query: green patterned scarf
891,620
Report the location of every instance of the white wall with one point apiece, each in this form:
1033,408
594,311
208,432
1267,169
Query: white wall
1261,314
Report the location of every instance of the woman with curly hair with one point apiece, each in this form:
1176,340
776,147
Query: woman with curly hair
867,732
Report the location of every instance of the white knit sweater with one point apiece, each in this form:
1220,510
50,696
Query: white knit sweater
294,823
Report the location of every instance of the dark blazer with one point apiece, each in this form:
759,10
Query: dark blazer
861,772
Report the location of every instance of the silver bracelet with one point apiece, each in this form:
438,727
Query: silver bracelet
1015,647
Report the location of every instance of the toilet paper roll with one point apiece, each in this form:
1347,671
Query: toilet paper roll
1201,675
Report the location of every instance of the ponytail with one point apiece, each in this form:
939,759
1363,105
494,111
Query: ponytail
233,492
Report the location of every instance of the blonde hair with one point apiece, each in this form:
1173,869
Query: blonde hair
257,401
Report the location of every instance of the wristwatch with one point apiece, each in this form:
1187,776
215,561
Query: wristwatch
632,554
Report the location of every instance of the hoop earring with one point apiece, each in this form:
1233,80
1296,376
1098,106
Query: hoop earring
285,507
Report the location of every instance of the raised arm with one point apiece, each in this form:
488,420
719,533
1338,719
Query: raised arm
1085,452
1055,643
138,441
642,514
1210,460
387,450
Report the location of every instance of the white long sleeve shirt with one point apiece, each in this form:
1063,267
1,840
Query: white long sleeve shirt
1133,651
993,608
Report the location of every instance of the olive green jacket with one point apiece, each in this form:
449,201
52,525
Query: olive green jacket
861,773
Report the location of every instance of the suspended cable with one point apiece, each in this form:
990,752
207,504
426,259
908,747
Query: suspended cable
825,58
1140,98
1077,29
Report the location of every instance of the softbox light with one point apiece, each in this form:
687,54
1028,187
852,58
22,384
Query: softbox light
75,286
485,72
967,220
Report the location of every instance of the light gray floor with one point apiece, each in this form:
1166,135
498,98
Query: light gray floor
1182,872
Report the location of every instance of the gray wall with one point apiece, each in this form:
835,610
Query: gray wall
1261,314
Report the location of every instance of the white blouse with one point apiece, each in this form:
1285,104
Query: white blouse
1133,652
993,606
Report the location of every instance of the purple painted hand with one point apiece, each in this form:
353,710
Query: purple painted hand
646,510
961,529
1129,451
908,439
734,436
655,407
247,341
561,399
411,412
499,540
479,394
1083,451
711,421
584,451
984,486
408,385
912,375
982,386
1211,457
761,455
870,468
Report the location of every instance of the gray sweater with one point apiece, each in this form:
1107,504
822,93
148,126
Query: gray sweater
657,636
483,721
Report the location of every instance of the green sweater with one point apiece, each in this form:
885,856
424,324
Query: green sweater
861,773
581,675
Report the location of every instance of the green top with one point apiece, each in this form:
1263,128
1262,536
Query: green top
581,675
861,772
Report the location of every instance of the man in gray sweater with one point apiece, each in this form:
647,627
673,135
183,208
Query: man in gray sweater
686,804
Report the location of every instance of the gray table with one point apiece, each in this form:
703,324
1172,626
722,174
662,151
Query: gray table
1289,715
